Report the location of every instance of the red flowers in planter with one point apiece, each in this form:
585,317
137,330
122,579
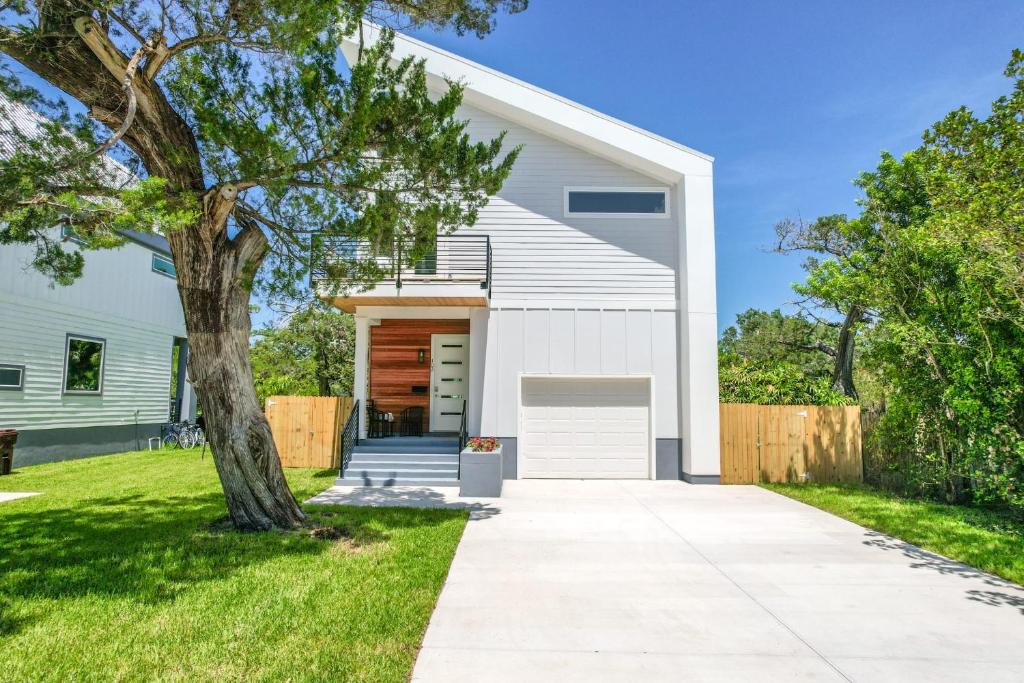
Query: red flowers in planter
483,444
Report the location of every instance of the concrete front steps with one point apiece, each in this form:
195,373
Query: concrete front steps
403,461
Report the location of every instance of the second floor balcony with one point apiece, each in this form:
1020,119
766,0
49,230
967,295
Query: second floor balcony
456,272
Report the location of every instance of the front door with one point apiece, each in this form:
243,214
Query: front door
449,380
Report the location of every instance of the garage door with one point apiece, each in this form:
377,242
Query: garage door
585,428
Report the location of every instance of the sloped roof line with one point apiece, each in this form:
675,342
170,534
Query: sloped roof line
470,64
548,113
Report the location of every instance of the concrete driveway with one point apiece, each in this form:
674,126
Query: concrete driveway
661,581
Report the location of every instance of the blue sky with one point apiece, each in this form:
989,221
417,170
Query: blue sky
793,99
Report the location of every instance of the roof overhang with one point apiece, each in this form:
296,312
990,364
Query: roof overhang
545,112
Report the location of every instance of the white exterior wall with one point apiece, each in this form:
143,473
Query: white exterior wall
539,253
584,341
120,299
571,295
581,295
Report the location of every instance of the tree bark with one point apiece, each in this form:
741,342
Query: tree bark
214,281
215,273
842,374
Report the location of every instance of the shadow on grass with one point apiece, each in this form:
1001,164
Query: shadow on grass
1009,594
153,549
383,497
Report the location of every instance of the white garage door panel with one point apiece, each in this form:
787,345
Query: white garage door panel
585,428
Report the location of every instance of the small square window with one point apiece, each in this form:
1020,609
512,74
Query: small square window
12,377
83,365
164,266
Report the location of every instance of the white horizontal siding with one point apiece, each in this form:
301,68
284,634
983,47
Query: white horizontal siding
573,341
118,283
136,378
538,253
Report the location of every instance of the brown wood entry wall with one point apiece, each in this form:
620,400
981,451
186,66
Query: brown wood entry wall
394,362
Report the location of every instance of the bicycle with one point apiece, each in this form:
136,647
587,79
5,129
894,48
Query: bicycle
184,435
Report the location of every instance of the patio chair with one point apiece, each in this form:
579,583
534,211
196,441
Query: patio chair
411,421
377,424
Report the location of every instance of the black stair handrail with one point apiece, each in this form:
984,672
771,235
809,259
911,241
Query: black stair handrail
463,440
349,437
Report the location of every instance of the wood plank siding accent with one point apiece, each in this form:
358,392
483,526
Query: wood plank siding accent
394,362
349,303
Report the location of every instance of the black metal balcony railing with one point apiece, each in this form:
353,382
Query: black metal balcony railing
455,258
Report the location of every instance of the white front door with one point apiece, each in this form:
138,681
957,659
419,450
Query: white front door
449,380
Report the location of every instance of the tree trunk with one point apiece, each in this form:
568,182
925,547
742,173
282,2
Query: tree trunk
842,374
215,280
215,273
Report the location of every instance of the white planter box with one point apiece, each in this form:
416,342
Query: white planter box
480,473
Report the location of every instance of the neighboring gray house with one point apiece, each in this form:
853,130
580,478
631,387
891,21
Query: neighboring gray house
88,368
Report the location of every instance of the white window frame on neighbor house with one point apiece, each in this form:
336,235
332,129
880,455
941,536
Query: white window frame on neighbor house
587,214
21,377
103,363
161,257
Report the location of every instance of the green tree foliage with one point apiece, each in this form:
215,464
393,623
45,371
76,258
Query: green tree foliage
773,383
257,155
310,354
936,259
775,336
775,358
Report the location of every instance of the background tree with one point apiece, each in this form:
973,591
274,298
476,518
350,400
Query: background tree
936,261
777,337
310,353
253,152
774,358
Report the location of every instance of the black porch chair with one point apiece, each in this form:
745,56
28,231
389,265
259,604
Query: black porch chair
377,424
411,421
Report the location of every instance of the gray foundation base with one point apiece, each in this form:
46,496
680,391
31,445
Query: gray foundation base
509,457
51,445
702,478
480,474
668,459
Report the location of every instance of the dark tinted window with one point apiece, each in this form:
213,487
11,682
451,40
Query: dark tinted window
164,266
11,376
587,201
84,365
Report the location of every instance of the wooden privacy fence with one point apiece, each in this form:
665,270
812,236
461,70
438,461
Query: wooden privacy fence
307,429
790,443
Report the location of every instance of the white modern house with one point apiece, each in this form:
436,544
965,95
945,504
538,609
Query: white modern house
575,320
89,368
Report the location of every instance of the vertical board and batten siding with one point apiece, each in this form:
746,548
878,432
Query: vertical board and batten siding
307,429
539,341
790,443
539,253
118,299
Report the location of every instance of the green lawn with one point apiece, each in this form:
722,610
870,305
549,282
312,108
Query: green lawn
989,539
123,570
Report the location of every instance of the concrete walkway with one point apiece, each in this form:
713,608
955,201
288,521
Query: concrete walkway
15,495
661,581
